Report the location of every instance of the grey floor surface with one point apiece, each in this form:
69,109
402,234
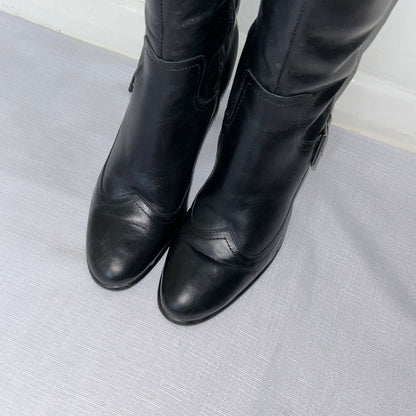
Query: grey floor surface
329,329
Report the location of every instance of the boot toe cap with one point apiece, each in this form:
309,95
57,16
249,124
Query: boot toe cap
195,287
120,252
118,262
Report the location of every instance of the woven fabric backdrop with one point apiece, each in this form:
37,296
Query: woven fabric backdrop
328,330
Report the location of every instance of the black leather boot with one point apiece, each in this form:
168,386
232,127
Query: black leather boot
141,194
298,57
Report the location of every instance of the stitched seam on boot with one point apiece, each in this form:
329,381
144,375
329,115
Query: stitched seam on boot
156,216
162,28
229,115
221,51
292,40
172,67
245,258
229,119
218,261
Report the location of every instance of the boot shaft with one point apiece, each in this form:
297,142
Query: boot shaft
303,46
182,29
174,100
309,46
296,60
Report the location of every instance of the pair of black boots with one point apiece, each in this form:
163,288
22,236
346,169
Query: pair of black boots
298,57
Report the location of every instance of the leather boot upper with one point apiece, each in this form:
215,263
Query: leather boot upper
141,193
298,56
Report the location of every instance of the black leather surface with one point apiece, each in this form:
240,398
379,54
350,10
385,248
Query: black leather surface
299,55
141,194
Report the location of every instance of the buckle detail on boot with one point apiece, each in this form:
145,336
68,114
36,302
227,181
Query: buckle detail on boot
319,148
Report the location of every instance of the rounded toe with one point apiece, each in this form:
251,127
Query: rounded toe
112,271
119,254
113,268
193,286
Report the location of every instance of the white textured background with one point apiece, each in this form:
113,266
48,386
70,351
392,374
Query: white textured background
380,102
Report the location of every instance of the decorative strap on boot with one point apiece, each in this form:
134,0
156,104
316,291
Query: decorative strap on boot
320,144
